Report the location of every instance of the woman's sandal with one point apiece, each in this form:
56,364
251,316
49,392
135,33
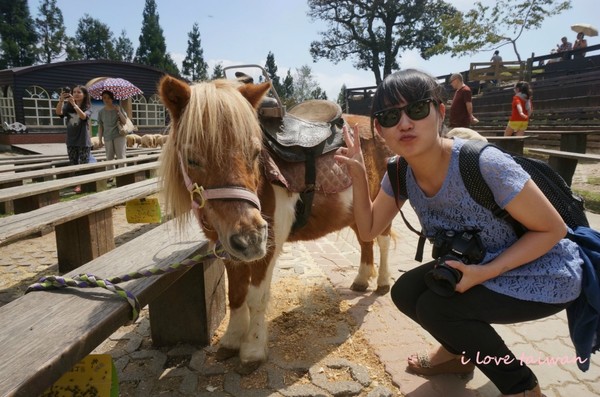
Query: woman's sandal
453,366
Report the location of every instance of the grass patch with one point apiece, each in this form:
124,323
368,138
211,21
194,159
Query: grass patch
592,200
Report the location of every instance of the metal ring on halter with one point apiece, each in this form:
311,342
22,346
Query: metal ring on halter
200,191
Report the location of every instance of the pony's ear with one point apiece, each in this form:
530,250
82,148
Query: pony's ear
175,94
254,93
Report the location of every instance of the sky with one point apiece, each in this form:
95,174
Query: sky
235,32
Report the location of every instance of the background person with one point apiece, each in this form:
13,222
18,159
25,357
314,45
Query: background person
109,118
461,111
580,42
496,61
522,108
77,108
563,48
519,279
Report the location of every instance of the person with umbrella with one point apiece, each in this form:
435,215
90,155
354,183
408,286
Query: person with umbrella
109,118
579,43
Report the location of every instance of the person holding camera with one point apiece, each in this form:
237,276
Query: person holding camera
77,108
484,273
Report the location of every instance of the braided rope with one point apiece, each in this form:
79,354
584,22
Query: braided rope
90,281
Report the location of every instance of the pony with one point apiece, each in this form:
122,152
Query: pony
212,168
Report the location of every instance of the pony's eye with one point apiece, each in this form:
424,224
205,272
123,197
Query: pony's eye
194,163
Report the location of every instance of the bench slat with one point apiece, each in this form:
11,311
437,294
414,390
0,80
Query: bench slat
45,333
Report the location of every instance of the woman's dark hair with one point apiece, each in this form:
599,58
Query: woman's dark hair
524,87
86,104
109,93
409,85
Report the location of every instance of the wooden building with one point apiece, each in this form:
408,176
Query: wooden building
28,95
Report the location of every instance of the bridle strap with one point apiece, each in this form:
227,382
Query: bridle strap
222,193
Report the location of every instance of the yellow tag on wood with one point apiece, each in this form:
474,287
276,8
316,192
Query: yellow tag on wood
95,375
146,210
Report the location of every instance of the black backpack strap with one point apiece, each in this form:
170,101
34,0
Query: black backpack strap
478,189
397,168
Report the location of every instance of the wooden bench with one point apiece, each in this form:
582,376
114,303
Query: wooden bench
45,333
35,195
84,227
564,163
513,144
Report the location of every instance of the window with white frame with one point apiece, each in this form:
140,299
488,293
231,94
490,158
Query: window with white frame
147,113
39,106
7,106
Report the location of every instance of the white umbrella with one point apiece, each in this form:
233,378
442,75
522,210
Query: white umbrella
585,28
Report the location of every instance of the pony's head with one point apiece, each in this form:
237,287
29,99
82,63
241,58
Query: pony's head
211,162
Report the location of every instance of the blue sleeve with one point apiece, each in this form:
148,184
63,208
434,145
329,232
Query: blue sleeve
386,185
502,174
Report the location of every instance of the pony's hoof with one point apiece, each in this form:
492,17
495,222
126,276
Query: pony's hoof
382,289
248,368
359,287
224,353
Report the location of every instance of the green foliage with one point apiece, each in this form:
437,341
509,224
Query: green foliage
271,68
94,39
50,27
18,37
218,72
287,90
341,99
123,48
373,33
305,86
489,27
194,66
152,50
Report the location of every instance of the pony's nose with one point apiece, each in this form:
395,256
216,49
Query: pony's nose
249,243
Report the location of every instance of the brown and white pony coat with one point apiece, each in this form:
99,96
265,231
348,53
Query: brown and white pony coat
216,142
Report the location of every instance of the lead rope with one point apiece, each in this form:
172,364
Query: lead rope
90,281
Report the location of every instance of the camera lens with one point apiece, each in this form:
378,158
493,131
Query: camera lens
442,278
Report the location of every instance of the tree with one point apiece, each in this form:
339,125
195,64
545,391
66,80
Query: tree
488,28
94,38
271,68
50,27
123,48
287,90
194,66
341,99
152,50
305,86
373,33
218,72
18,37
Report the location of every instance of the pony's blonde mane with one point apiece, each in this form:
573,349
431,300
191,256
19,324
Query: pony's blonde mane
216,120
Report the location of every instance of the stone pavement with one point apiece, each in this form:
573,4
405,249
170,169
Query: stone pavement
390,335
327,266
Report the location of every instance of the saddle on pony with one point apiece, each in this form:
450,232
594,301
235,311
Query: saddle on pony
301,145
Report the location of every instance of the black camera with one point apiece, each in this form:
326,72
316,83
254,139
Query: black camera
465,247
66,90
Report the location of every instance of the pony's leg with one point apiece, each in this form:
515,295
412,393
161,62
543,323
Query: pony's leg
366,268
383,280
253,350
238,278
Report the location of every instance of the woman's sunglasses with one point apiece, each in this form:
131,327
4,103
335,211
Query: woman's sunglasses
415,111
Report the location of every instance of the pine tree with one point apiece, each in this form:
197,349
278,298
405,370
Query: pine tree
218,72
18,37
152,50
194,66
50,27
95,39
341,99
287,91
123,48
271,68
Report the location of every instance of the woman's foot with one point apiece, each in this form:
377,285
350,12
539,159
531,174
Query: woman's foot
439,362
77,189
535,392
